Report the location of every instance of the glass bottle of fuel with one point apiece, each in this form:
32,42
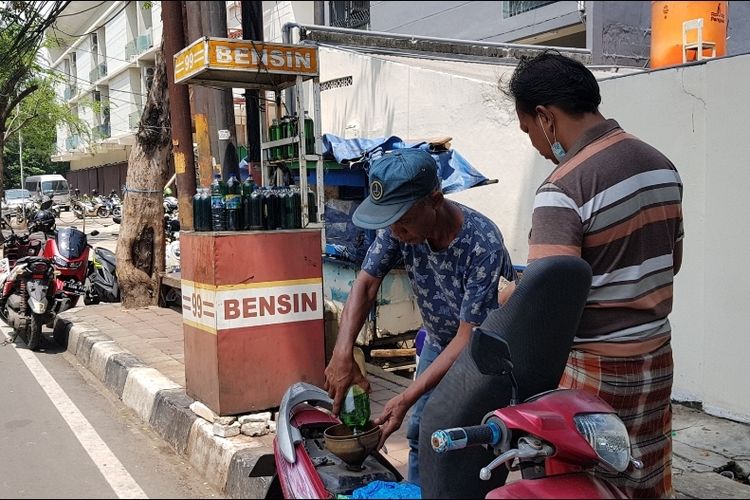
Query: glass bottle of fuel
355,409
233,204
197,215
205,209
218,207
248,186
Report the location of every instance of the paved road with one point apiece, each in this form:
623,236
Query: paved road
63,435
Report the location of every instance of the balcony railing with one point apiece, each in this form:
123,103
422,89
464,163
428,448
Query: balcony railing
134,118
69,92
130,50
102,131
144,41
139,45
72,142
99,71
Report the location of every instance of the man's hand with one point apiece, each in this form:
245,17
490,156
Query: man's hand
341,373
392,417
506,292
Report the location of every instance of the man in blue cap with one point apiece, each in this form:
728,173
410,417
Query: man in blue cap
454,257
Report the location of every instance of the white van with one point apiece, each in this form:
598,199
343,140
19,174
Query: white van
52,184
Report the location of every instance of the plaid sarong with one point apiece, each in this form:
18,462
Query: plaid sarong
639,388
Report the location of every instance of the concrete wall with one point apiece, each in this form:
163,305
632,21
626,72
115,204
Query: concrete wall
469,20
619,32
688,113
694,120
738,28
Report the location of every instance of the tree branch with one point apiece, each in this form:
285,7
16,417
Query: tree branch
19,126
20,97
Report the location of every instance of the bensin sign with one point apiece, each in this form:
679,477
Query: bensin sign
245,55
212,308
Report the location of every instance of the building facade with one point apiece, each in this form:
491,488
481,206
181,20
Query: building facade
616,32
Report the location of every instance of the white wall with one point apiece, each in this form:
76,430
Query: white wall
697,116
119,109
83,62
116,39
276,14
692,114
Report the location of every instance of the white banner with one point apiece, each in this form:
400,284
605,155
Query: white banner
213,308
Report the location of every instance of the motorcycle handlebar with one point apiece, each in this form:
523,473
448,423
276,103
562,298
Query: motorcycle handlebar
462,437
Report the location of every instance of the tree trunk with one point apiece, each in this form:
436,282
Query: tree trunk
141,246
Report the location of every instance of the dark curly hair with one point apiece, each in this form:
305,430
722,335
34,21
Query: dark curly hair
551,78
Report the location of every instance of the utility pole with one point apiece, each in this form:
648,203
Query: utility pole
179,111
216,105
252,29
200,99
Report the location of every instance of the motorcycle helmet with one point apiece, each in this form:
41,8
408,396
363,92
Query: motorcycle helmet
44,221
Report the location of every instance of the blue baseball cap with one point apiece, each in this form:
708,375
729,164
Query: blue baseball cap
398,179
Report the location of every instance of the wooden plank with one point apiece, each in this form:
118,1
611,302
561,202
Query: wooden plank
393,353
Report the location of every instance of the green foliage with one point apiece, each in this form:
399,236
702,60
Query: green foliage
42,113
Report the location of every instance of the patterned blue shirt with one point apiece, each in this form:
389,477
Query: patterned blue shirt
456,284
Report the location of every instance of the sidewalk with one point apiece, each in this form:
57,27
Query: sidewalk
139,355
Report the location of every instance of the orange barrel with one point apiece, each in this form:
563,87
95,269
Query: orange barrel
666,29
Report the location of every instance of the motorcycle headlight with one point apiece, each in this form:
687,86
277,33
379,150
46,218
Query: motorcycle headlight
60,262
608,436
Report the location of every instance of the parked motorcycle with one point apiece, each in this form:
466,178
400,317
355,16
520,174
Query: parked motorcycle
90,207
27,285
556,439
304,465
69,251
101,280
28,298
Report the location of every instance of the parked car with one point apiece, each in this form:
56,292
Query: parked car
14,202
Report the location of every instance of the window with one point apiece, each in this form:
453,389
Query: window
513,8
350,14
54,186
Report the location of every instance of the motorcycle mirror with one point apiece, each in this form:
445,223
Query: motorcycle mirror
46,205
492,356
94,233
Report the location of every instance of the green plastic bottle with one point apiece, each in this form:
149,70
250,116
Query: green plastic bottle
248,186
355,409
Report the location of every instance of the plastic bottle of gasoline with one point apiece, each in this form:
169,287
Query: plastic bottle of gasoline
355,409
205,209
282,151
274,133
233,204
218,207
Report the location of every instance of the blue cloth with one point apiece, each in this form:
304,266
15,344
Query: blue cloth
345,239
457,283
385,489
429,354
456,173
244,170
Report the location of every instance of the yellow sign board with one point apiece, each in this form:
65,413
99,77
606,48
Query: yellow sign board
224,61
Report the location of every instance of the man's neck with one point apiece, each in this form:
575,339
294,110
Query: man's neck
448,224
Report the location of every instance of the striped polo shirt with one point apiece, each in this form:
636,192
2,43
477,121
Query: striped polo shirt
616,202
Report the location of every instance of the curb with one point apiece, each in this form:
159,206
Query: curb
239,466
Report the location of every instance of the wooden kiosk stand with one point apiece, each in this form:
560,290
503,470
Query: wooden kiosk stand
253,300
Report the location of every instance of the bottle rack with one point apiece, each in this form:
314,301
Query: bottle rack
303,156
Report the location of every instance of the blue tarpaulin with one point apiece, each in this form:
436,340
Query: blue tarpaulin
456,172
383,489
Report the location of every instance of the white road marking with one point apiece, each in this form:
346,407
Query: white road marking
110,467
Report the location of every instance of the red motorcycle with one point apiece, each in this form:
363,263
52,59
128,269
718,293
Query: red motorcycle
69,251
27,288
555,439
306,462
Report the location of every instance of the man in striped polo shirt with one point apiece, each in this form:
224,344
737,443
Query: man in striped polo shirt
616,202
